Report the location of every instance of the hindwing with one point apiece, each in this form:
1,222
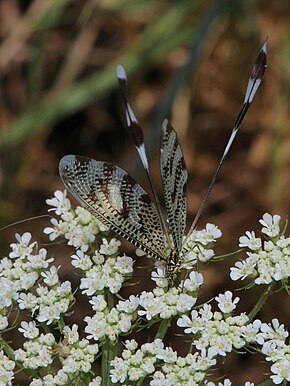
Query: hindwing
174,179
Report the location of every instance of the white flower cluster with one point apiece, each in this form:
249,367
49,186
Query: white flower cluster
20,272
165,303
135,364
6,370
40,349
217,332
30,356
104,269
78,226
268,260
111,322
29,281
272,339
49,303
161,363
97,381
199,245
226,382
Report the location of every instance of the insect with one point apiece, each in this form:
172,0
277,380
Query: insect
119,202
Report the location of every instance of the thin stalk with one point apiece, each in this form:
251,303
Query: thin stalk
268,382
109,350
261,301
164,325
162,330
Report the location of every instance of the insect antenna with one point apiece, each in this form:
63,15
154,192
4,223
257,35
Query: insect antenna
136,133
25,220
255,80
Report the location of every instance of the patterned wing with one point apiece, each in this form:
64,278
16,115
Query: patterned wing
174,179
115,199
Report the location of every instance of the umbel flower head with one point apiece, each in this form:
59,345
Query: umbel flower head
30,282
268,257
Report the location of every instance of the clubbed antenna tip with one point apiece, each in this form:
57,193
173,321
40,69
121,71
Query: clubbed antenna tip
257,74
255,80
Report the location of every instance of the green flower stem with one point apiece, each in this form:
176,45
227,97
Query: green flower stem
261,301
61,324
268,382
164,325
7,349
109,349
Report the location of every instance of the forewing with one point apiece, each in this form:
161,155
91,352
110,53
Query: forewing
115,199
174,179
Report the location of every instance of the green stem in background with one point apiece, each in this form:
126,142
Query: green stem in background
268,382
164,325
157,40
61,324
261,301
109,349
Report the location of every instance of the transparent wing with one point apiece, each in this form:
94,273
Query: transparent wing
174,179
115,199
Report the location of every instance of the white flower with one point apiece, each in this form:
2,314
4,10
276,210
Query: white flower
6,367
124,264
192,325
204,255
118,372
167,355
98,303
189,259
207,235
27,301
243,269
109,248
3,322
194,281
96,381
225,302
250,241
49,314
276,333
270,225
250,331
51,276
71,334
60,202
281,369
81,260
96,326
131,345
29,330
84,217
160,277
59,228
22,249
213,232
130,305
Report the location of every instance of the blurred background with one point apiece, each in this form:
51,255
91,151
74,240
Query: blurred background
186,60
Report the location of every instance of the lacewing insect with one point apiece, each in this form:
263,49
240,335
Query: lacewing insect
119,202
